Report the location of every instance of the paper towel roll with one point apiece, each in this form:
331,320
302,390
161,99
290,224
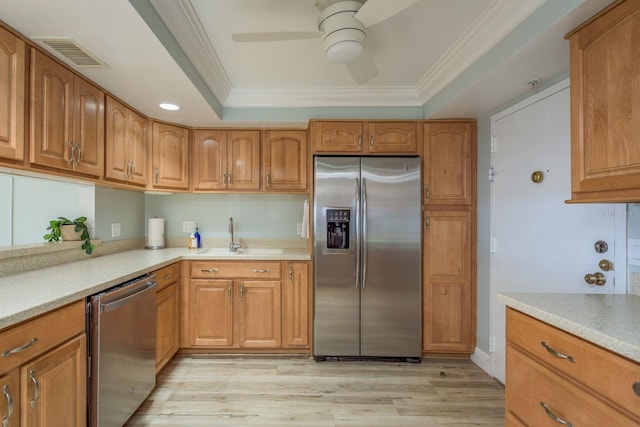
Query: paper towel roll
155,233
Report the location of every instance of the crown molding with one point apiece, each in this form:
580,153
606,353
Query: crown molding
495,23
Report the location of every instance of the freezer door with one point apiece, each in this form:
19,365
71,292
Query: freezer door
337,304
391,319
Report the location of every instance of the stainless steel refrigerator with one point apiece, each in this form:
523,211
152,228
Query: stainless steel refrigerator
367,257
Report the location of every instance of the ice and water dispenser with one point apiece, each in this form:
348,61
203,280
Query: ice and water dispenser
337,222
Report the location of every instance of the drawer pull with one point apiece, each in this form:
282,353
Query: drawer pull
636,388
167,276
23,347
7,395
209,270
554,417
261,271
36,389
556,353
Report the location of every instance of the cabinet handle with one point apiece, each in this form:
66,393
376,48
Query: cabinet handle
556,353
23,347
79,154
360,140
290,274
427,194
241,291
167,276
371,141
73,154
229,176
261,271
554,417
427,221
230,290
209,270
268,179
156,175
7,395
224,179
36,389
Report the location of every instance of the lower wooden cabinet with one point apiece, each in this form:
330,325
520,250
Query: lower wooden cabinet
167,314
247,305
448,291
555,377
43,371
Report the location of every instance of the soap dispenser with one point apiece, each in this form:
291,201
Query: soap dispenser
198,240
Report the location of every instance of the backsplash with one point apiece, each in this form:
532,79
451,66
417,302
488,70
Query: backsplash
633,248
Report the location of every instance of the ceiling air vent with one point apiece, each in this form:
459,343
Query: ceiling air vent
70,51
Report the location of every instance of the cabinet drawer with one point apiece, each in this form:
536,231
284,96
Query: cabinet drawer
45,332
529,385
235,270
606,373
167,275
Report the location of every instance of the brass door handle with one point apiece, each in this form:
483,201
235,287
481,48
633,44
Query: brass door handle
605,265
597,279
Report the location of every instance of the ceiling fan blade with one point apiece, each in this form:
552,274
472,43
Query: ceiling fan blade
274,37
363,69
374,11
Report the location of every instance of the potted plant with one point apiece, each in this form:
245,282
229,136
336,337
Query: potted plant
70,230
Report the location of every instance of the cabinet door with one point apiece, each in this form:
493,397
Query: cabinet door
12,95
167,315
51,115
54,387
243,160
392,137
210,160
259,314
117,157
295,305
88,128
337,137
605,106
138,147
170,151
10,398
285,160
447,171
211,311
447,295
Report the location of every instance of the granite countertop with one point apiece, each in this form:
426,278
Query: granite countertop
32,293
610,321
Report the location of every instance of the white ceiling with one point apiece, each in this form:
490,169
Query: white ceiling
187,57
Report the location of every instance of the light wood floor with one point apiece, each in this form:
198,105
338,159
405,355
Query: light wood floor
261,391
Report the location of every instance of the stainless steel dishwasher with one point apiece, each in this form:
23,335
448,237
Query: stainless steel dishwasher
122,349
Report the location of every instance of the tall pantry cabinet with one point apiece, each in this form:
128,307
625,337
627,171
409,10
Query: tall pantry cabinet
448,237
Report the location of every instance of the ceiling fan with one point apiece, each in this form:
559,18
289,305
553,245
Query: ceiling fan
342,28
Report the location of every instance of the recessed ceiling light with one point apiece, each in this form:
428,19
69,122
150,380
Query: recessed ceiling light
169,107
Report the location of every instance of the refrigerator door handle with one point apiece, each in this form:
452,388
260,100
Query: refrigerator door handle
357,225
364,233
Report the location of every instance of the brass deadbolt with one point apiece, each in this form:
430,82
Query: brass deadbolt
537,177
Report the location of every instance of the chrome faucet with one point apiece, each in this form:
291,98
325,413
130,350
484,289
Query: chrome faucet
233,247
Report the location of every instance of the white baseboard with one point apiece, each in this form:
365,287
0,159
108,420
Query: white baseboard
482,359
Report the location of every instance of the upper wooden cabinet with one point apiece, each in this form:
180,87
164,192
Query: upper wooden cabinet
448,175
170,157
67,119
12,96
605,106
364,137
127,144
285,160
226,160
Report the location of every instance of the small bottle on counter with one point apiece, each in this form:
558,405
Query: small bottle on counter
192,243
198,240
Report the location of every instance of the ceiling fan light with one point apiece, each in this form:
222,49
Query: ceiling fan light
345,51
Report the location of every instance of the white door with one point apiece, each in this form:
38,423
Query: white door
540,243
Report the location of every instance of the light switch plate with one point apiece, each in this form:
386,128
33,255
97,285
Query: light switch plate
299,228
115,229
188,226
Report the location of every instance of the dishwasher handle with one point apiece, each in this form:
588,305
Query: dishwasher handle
114,305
